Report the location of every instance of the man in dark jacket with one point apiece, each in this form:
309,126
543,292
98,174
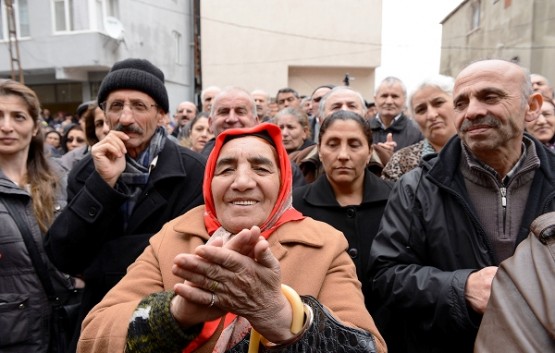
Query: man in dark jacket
449,223
132,182
390,122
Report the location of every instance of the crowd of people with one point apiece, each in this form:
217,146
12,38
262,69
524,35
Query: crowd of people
292,223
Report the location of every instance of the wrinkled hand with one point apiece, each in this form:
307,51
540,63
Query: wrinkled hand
478,288
109,156
245,277
385,150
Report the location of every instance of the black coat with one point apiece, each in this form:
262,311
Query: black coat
358,223
404,131
88,239
430,241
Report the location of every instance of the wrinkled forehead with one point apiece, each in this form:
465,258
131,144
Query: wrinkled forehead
484,75
250,148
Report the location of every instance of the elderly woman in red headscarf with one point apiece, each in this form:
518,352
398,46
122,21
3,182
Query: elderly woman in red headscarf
244,269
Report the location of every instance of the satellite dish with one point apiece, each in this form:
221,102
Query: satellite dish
113,28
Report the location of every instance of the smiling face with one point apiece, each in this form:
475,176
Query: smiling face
17,126
344,152
543,128
433,111
246,183
490,107
232,109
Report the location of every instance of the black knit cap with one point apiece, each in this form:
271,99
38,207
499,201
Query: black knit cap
136,74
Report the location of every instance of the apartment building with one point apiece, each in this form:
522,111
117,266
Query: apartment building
66,47
521,31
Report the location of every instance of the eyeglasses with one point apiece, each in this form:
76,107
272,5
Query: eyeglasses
115,108
78,139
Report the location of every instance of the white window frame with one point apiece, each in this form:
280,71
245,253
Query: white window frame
4,19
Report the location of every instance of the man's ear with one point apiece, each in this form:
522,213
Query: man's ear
535,106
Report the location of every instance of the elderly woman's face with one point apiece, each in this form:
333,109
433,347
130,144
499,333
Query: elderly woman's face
344,152
246,183
292,131
433,111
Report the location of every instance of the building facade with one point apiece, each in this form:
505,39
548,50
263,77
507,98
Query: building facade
521,31
273,44
66,47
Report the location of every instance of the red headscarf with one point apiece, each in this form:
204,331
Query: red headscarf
281,213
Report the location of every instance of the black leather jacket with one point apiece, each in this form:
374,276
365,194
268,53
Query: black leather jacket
429,242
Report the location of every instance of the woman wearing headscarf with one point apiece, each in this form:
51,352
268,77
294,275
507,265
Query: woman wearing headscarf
215,273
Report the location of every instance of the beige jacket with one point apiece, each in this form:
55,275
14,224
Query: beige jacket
312,257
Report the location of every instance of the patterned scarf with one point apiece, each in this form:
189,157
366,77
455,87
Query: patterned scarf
136,173
235,328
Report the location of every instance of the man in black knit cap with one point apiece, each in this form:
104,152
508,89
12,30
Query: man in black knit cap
132,182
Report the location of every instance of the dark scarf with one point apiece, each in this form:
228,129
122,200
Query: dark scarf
136,173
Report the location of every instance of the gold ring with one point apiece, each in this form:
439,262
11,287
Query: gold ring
213,286
212,301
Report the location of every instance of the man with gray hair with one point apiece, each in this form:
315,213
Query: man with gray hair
206,97
452,220
262,100
232,108
391,124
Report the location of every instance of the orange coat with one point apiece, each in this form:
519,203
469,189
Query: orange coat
313,262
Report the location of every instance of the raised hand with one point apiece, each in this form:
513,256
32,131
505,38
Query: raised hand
109,156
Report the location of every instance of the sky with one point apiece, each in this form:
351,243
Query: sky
411,39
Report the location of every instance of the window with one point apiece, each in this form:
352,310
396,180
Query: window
82,15
475,19
21,14
178,47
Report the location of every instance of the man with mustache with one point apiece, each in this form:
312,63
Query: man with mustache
133,181
450,222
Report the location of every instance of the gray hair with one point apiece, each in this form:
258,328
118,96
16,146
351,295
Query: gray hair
392,80
443,83
228,90
334,91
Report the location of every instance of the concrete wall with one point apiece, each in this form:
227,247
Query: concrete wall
273,44
522,31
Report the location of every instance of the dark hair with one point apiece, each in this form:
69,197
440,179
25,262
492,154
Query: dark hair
90,129
346,115
52,131
287,90
67,130
330,86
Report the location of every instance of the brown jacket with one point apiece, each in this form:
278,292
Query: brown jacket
312,257
520,316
